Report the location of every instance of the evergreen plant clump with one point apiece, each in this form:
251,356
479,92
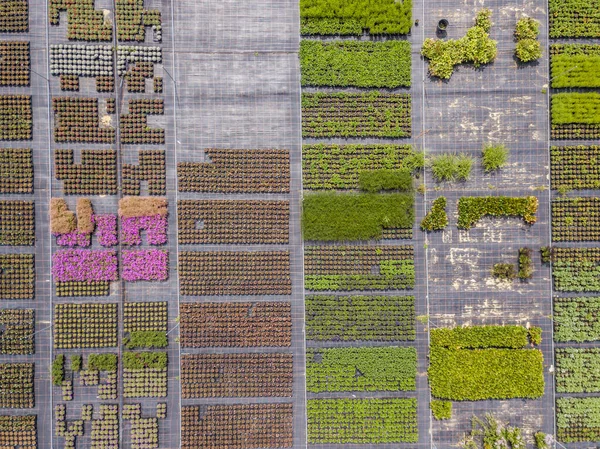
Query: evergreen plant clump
475,47
525,264
451,167
436,219
494,157
441,409
471,209
504,271
528,48
146,339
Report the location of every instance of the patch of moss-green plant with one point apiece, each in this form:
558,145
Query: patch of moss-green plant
441,409
436,219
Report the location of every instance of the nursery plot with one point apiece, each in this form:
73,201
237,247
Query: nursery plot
576,269
95,175
577,370
484,363
346,268
16,385
235,324
77,120
362,420
326,166
575,219
134,125
330,216
575,319
14,16
145,265
19,431
236,375
361,369
577,419
16,170
233,221
322,17
145,316
128,55
356,318
144,374
88,325
373,114
84,21
17,331
355,63
234,273
574,65
80,272
71,62
236,171
16,118
17,276
575,167
472,209
14,63
132,20
244,426
151,169
575,115
17,223
574,18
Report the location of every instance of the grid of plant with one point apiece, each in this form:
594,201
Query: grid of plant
18,369
358,219
109,220
576,198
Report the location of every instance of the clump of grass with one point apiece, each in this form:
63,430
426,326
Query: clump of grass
451,167
494,157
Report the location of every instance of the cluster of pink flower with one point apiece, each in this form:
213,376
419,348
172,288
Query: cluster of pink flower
106,229
74,238
145,265
84,265
155,227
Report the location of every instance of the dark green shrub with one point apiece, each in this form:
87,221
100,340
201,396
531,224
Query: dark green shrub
471,209
528,50
58,369
504,271
141,360
535,335
374,181
102,362
527,28
331,216
525,264
494,157
146,339
441,409
451,167
546,254
76,363
436,219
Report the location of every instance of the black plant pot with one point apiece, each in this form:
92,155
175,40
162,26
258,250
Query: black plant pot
442,25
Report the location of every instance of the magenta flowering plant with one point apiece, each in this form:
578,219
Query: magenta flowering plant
145,265
106,229
84,265
74,238
155,227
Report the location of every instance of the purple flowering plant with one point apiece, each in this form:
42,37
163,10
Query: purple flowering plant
84,265
145,265
106,229
155,227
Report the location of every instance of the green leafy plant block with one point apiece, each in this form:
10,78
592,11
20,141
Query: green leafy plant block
355,63
436,219
540,439
575,107
527,28
525,264
142,360
574,18
58,370
331,216
575,319
535,335
504,271
362,420
339,166
577,370
528,50
76,362
361,369
475,47
494,157
374,181
472,209
146,339
102,362
350,17
441,409
355,318
574,65
480,337
451,167
576,269
577,419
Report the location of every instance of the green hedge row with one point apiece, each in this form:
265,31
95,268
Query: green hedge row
355,63
362,420
354,318
472,209
330,216
577,370
361,369
472,375
575,107
480,337
575,319
350,17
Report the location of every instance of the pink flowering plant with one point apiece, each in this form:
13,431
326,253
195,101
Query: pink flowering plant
145,265
106,229
155,227
74,238
84,265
